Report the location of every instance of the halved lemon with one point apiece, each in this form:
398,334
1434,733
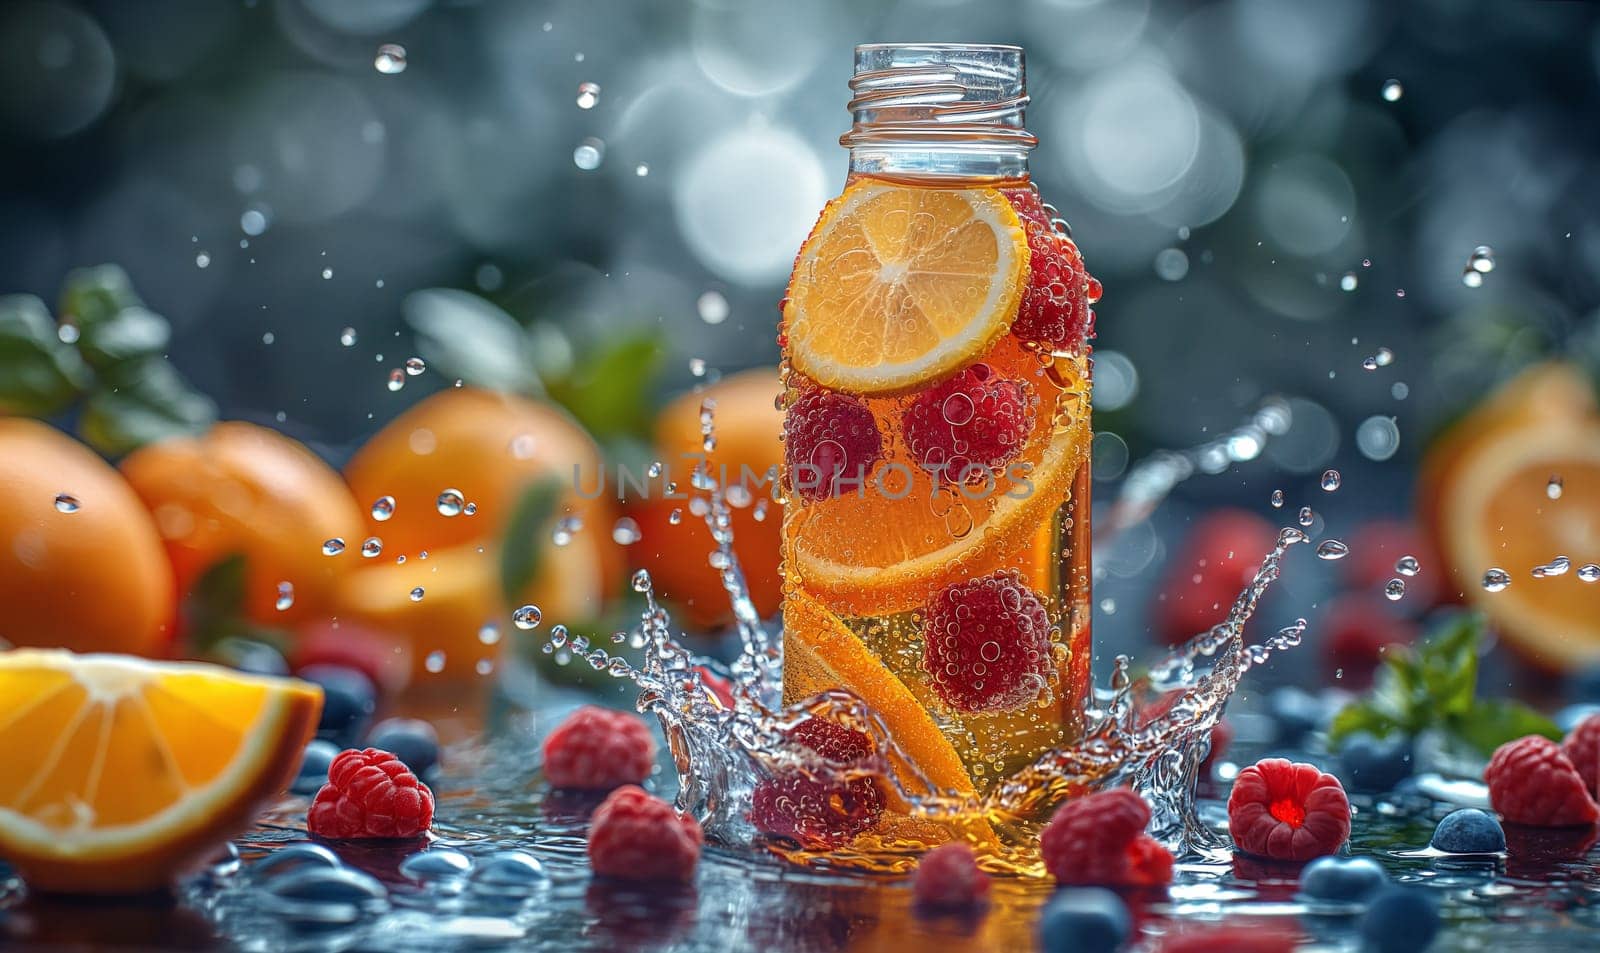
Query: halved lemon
121,773
898,286
888,549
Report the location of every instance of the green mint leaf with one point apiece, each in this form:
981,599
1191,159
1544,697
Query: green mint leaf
610,389
141,402
523,548
132,333
463,336
213,609
39,375
1448,662
1363,716
1491,722
94,295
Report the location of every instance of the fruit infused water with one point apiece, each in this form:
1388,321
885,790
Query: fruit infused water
937,383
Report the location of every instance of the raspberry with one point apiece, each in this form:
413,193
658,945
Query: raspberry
634,836
1582,747
370,793
1099,840
1055,306
986,643
820,811
1533,782
597,749
1286,810
831,442
1234,938
966,429
948,878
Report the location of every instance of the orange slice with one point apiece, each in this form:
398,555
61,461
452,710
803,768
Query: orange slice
900,286
877,553
1495,511
123,773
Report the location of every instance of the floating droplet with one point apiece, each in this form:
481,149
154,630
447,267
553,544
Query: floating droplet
1394,589
1471,278
417,594
1307,517
1330,480
641,170
285,596
1349,281
1384,357
391,59
641,581
588,95
697,366
1392,91
450,502
327,273
202,260
1553,488
1277,499
713,307
489,634
66,503
434,662
589,154
1555,567
1369,363
397,379
1407,565
1496,580
253,221
415,366
67,333
347,337
371,546
1482,260
527,617
1399,292
566,528
382,508
675,517
626,531
1332,549
1589,572
333,546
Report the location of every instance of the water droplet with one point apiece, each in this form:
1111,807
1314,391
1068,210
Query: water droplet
489,634
253,221
1349,281
371,546
347,337
415,366
1394,589
527,617
1277,499
566,528
450,502
333,546
1589,572
1384,357
1330,480
397,379
697,366
67,333
1470,278
1482,260
268,338
641,170
327,273
202,260
66,503
1307,517
382,508
589,154
1553,488
1496,580
1408,565
285,596
626,531
391,59
417,594
588,95
1399,292
675,517
434,662
1369,363
713,307
641,581
1555,567
1332,549
1392,91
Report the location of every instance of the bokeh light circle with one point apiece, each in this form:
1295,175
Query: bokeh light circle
58,71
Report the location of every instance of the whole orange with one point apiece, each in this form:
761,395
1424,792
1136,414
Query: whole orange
240,488
85,572
489,448
747,425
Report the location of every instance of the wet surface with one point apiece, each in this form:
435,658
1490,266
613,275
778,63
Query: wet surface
1544,895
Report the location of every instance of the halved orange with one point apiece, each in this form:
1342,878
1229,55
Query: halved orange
879,551
898,286
1495,511
120,774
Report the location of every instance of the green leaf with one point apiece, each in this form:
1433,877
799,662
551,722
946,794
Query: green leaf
462,335
39,375
214,605
1448,663
1491,722
610,390
139,403
523,547
1361,716
132,333
95,295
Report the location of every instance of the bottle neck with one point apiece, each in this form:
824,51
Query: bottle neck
939,111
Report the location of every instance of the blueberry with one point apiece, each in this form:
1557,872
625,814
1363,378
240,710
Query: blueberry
1375,765
1401,920
314,764
1583,685
348,700
1344,879
324,898
412,740
511,871
1295,714
284,860
1567,718
1083,920
437,864
1469,831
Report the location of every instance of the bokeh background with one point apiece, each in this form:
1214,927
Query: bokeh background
1270,192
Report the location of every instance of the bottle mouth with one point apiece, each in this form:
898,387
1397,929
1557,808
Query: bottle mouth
918,94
